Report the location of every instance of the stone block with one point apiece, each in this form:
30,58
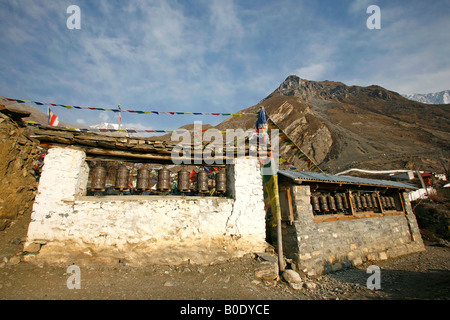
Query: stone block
267,271
32,247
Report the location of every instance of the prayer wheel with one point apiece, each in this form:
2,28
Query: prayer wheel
315,203
98,179
374,200
383,202
163,180
142,183
323,203
221,182
358,202
369,201
331,203
202,181
392,202
183,180
363,202
344,202
122,178
339,204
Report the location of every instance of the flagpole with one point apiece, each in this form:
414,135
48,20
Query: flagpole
120,116
48,115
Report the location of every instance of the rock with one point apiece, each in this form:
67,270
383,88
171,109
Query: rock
264,256
310,285
31,247
267,271
296,286
14,260
170,284
291,276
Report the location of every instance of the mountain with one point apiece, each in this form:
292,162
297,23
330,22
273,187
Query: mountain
442,97
341,127
105,125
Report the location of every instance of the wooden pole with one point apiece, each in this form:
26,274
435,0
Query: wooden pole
120,116
280,246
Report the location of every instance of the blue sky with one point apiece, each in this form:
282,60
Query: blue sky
212,55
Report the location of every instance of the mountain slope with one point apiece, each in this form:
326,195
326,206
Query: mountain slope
342,126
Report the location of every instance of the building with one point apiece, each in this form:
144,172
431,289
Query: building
69,225
328,222
331,222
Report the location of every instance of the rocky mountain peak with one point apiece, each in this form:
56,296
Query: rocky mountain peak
308,90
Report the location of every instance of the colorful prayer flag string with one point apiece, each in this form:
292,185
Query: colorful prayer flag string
36,124
311,165
130,111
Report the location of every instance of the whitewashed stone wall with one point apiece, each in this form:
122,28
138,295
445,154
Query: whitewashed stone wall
143,229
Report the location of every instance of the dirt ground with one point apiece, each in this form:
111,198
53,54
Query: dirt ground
421,276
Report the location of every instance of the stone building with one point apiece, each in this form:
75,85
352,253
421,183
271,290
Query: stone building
328,222
332,222
67,224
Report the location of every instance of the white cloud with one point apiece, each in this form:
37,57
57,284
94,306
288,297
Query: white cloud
226,24
315,71
360,6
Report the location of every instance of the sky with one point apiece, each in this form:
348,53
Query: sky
211,55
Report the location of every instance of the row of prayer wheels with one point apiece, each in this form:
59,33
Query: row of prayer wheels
325,203
144,180
339,203
98,182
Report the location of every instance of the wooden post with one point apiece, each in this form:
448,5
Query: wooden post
380,204
350,202
280,246
289,201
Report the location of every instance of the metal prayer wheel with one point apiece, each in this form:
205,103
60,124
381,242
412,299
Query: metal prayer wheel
202,182
183,180
142,183
221,182
392,202
383,202
344,202
374,200
315,203
98,179
369,201
163,180
363,202
331,203
358,202
323,203
388,203
122,179
339,204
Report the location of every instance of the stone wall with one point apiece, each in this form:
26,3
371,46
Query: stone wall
143,229
320,247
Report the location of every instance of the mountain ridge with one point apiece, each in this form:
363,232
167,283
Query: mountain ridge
441,97
342,126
